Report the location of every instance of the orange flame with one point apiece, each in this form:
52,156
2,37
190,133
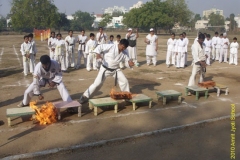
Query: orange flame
47,114
120,95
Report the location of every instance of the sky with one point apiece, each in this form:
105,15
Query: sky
97,6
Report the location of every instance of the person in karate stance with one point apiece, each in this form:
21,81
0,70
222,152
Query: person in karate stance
82,40
234,52
26,50
214,44
51,41
152,46
33,53
47,71
208,49
224,52
171,51
186,47
113,55
59,52
121,65
132,49
70,49
199,60
181,44
91,56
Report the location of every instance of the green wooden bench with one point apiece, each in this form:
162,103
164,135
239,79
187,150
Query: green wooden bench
219,87
140,98
18,112
169,93
102,102
197,90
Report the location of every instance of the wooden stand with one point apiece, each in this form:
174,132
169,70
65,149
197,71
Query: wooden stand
218,87
197,90
169,93
139,98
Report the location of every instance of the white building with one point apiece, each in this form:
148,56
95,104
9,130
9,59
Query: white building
97,20
237,19
111,10
203,24
70,17
137,5
206,13
115,23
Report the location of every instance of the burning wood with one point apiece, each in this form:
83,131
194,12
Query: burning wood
120,95
207,84
47,114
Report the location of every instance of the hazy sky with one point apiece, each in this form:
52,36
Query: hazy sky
96,6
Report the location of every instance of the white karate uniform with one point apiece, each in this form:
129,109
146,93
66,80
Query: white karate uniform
81,50
132,51
181,44
121,64
42,77
111,60
26,48
186,49
198,55
50,46
70,49
91,58
234,53
101,38
110,42
208,50
214,43
171,51
218,48
33,53
151,53
59,55
224,53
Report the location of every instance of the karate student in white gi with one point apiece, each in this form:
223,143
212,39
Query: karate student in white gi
47,71
82,40
70,49
101,37
51,41
59,52
111,39
91,56
219,47
152,47
26,50
199,60
186,47
214,44
208,49
180,52
121,65
113,55
33,53
234,52
171,51
132,49
224,53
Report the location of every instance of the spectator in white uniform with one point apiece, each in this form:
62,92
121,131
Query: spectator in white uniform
91,56
214,44
234,52
208,49
171,51
70,49
152,47
186,47
82,40
181,44
132,49
101,37
224,52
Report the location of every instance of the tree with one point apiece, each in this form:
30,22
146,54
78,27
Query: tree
3,23
233,23
194,20
106,18
29,14
117,14
217,22
63,22
82,20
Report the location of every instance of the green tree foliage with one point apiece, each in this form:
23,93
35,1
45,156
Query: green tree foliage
117,14
107,18
233,23
157,13
29,14
194,20
82,20
63,22
3,23
216,22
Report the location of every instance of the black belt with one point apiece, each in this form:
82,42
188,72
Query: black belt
71,44
111,70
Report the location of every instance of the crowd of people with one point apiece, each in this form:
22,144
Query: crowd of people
109,57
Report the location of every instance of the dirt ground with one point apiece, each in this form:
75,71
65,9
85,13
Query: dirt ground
25,137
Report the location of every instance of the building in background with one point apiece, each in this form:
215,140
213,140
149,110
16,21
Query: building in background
207,13
97,20
137,5
203,24
116,9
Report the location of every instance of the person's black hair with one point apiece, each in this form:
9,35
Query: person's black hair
118,36
124,42
70,31
59,34
52,32
45,59
208,36
181,34
173,34
205,33
221,34
199,33
216,33
184,33
83,30
201,36
92,34
100,28
111,36
235,38
26,36
30,35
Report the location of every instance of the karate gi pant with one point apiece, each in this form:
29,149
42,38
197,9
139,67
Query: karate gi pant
168,57
208,60
132,51
233,58
196,69
28,94
70,58
218,53
223,55
150,58
51,55
28,64
61,61
186,54
180,59
102,74
213,53
91,62
81,55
